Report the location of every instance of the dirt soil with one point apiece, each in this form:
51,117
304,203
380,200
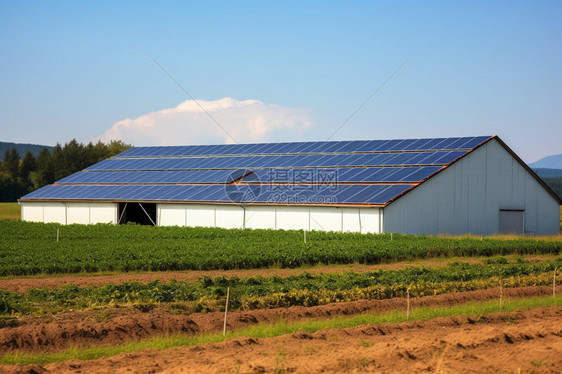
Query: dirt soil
24,284
517,342
118,325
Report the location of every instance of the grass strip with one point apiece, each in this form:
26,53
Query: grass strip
10,211
283,327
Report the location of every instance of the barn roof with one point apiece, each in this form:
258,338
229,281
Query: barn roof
333,173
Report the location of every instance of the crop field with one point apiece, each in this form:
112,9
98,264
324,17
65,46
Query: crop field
153,299
32,248
10,211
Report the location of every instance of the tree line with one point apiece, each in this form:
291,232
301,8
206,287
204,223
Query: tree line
21,175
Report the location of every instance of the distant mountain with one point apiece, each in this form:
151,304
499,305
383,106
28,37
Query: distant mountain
22,148
548,162
548,173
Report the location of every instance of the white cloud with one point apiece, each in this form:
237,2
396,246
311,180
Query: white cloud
246,120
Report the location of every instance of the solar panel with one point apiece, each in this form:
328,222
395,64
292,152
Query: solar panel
388,194
327,172
476,141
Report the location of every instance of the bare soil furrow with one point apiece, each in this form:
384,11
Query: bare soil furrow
529,341
109,327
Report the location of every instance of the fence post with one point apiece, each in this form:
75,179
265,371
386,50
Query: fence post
554,283
226,310
58,234
407,303
501,294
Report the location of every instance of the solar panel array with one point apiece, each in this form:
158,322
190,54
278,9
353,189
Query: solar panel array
327,173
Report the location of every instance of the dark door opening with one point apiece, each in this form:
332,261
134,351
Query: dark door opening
139,213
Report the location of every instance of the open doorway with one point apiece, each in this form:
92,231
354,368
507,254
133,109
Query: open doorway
139,213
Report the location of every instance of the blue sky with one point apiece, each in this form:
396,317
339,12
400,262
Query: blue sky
281,71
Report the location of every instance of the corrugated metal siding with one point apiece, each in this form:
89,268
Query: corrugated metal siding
468,195
271,217
69,213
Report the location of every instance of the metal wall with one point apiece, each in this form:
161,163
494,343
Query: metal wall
467,198
366,220
69,213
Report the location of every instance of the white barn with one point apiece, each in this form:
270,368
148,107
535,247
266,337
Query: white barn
416,186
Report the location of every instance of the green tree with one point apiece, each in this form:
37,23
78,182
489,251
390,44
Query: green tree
59,166
11,162
27,166
72,159
45,173
19,177
117,146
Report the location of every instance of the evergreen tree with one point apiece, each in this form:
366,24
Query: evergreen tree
19,177
58,163
45,173
11,162
116,147
28,165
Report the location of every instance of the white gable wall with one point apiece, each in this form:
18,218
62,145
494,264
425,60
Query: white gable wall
468,195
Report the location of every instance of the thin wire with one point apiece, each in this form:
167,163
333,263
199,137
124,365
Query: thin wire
370,97
192,98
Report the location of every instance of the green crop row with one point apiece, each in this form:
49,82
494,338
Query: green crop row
32,248
208,294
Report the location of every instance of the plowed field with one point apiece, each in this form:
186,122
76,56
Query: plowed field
109,327
502,342
515,342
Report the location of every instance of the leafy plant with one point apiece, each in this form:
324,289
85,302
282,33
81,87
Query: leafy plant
31,248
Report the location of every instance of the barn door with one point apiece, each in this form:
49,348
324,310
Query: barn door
512,221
